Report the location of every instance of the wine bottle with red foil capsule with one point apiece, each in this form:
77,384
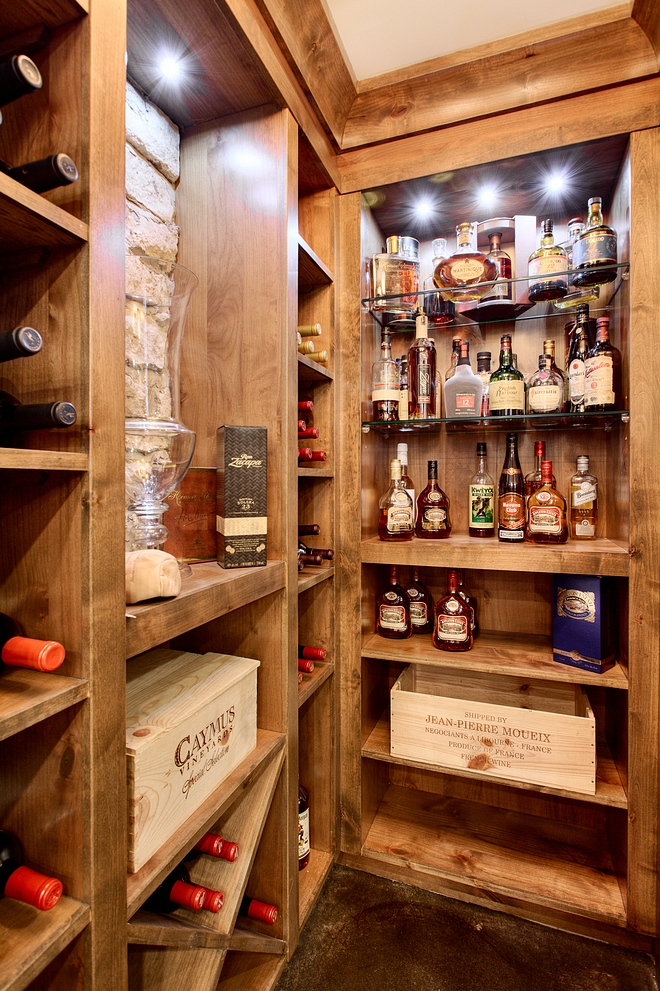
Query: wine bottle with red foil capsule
308,433
21,882
176,891
304,845
304,454
214,846
325,552
15,415
306,406
20,651
307,656
254,909
21,342
313,455
308,529
213,900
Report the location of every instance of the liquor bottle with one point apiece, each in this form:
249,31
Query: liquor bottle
483,371
312,653
395,274
307,559
511,496
404,391
584,501
44,174
433,522
575,294
481,508
471,601
308,433
304,845
545,390
546,512
385,384
548,259
306,406
576,360
214,846
326,553
176,890
421,604
533,478
408,484
393,610
20,651
421,372
506,391
439,310
453,619
310,330
254,909
395,508
15,415
308,529
463,391
549,349
468,273
595,249
18,76
21,882
502,290
455,355
602,372
20,342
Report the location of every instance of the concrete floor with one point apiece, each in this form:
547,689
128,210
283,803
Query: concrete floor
368,934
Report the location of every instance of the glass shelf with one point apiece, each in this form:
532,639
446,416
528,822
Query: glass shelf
493,424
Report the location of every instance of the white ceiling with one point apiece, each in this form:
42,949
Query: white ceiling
381,35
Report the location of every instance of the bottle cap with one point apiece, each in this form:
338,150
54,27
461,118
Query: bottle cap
213,900
439,247
549,348
41,655
433,469
505,342
36,889
482,447
464,358
539,449
189,895
395,468
546,471
402,453
263,911
583,462
27,340
512,438
595,200
547,226
28,73
305,665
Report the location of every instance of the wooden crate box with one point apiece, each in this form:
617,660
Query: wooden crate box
190,720
534,731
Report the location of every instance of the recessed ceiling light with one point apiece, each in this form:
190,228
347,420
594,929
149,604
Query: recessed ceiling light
556,183
487,197
424,209
170,68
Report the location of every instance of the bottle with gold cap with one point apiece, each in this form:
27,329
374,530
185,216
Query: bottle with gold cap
395,520
595,249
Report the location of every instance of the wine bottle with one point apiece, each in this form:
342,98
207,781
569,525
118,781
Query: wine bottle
305,406
320,356
311,433
304,454
15,415
44,174
303,828
310,330
255,909
18,76
21,882
176,890
312,653
302,425
213,900
326,552
20,342
308,529
20,651
214,846
304,559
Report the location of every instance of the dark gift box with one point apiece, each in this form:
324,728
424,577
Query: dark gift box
584,622
241,519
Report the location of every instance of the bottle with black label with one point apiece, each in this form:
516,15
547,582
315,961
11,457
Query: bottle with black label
511,496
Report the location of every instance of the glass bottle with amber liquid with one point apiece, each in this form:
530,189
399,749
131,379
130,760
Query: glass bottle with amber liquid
584,501
393,610
506,390
602,372
433,522
385,383
421,604
546,512
481,498
468,273
511,496
533,478
502,290
395,520
580,348
453,627
471,601
547,268
421,372
595,249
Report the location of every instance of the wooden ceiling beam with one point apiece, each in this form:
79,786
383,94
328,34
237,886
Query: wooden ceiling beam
647,14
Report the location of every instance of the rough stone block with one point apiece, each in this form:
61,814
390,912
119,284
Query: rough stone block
152,133
147,187
147,235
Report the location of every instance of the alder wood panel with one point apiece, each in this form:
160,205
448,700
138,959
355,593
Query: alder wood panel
249,971
311,880
316,768
27,219
609,789
312,272
27,697
313,371
167,968
150,929
31,939
314,575
645,13
566,868
210,592
15,457
315,472
524,655
312,682
15,18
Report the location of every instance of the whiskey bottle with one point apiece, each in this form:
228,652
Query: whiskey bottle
533,478
468,273
421,372
575,294
545,390
549,349
546,512
15,415
308,529
483,371
385,383
584,501
502,290
511,496
393,610
433,522
421,604
481,498
576,360
304,845
471,601
595,249
20,342
602,372
548,259
395,275
463,391
453,628
20,651
18,76
506,391
44,174
395,508
21,882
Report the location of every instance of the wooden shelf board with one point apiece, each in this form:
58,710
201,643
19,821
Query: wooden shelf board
27,697
250,972
609,789
313,576
28,220
312,272
311,881
150,929
16,457
593,557
209,592
516,654
316,473
18,17
140,885
311,682
312,371
30,939
539,861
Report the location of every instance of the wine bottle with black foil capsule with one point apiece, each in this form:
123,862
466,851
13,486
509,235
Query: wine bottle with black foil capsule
395,508
213,845
252,908
511,496
421,604
453,619
44,174
421,372
433,522
481,498
506,390
18,77
304,845
177,890
21,342
471,601
393,610
326,553
546,512
307,559
18,650
21,882
15,416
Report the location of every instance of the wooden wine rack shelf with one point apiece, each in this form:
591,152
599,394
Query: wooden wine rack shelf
18,17
42,936
312,682
14,457
27,697
27,220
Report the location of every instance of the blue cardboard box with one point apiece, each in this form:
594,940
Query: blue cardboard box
584,622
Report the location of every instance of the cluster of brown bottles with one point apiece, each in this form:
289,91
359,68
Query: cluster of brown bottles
305,432
311,555
405,609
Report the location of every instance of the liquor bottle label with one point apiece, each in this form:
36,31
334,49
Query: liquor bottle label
584,495
576,380
545,519
434,518
501,290
303,834
404,404
453,628
418,613
545,398
392,617
466,270
512,512
584,528
509,394
399,519
423,384
465,403
546,265
411,493
383,393
593,249
598,379
482,507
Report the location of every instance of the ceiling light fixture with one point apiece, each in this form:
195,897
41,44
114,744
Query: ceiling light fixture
170,68
424,209
487,197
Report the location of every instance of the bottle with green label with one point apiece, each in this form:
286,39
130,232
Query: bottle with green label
481,498
506,389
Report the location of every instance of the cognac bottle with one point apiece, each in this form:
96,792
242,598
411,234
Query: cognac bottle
20,882
546,512
433,520
393,610
408,484
467,274
395,508
453,626
421,604
20,651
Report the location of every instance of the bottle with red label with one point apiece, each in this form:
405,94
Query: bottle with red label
421,604
21,882
546,512
463,391
433,522
395,520
453,616
511,497
20,651
393,610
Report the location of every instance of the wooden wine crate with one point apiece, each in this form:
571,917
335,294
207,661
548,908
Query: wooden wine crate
190,720
539,732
